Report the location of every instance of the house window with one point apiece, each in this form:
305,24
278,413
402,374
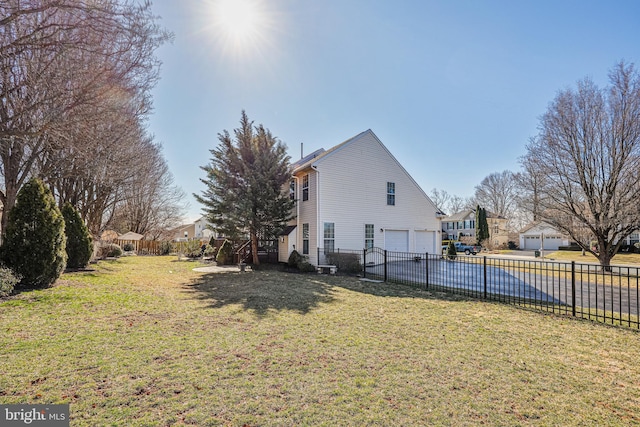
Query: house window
305,187
391,193
368,236
292,189
329,237
305,239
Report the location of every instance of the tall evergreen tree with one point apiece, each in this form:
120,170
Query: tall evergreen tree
79,241
245,182
482,227
34,240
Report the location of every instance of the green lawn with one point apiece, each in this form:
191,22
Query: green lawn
145,341
620,258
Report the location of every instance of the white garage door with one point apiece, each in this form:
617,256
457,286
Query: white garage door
531,243
552,243
425,242
396,240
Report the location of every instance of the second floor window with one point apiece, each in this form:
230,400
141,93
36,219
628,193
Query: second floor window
391,193
292,189
305,187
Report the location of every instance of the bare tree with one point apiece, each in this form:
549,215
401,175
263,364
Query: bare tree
152,203
588,150
61,62
441,199
497,193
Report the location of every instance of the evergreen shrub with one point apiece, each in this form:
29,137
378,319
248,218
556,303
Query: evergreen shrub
79,246
34,240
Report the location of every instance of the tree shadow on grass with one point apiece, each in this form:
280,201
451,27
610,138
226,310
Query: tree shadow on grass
261,292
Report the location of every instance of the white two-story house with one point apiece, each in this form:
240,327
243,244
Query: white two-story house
356,195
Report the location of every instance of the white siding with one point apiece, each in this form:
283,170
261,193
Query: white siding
353,192
306,211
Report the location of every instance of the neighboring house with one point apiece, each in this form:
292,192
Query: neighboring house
183,233
203,229
356,195
540,235
462,226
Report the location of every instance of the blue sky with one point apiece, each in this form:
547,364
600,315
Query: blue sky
453,88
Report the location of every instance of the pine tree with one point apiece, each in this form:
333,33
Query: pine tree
451,250
34,241
79,241
244,185
482,227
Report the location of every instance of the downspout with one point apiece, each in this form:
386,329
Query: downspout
295,197
318,219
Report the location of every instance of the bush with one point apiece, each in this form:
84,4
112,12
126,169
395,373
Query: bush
225,253
210,251
34,239
345,262
512,245
305,267
193,249
295,259
110,250
166,247
79,241
451,251
128,247
8,281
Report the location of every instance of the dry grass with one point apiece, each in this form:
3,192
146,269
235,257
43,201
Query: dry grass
148,342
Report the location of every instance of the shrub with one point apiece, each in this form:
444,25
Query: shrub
345,262
110,250
512,245
128,247
193,249
295,259
225,253
451,251
8,281
34,239
210,251
79,241
166,247
305,267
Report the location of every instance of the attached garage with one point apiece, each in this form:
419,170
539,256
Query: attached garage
396,240
531,243
426,242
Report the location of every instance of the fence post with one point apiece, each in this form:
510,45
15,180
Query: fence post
484,266
385,265
573,288
364,263
426,261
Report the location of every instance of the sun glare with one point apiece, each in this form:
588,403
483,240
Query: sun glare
239,24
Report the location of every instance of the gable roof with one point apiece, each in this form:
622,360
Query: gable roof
459,216
322,155
542,225
130,235
308,160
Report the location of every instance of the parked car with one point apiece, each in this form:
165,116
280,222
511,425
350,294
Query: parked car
467,249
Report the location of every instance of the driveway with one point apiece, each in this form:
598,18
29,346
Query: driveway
523,279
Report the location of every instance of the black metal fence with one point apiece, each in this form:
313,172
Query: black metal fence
576,289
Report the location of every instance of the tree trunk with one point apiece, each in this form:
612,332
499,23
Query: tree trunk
604,256
254,248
